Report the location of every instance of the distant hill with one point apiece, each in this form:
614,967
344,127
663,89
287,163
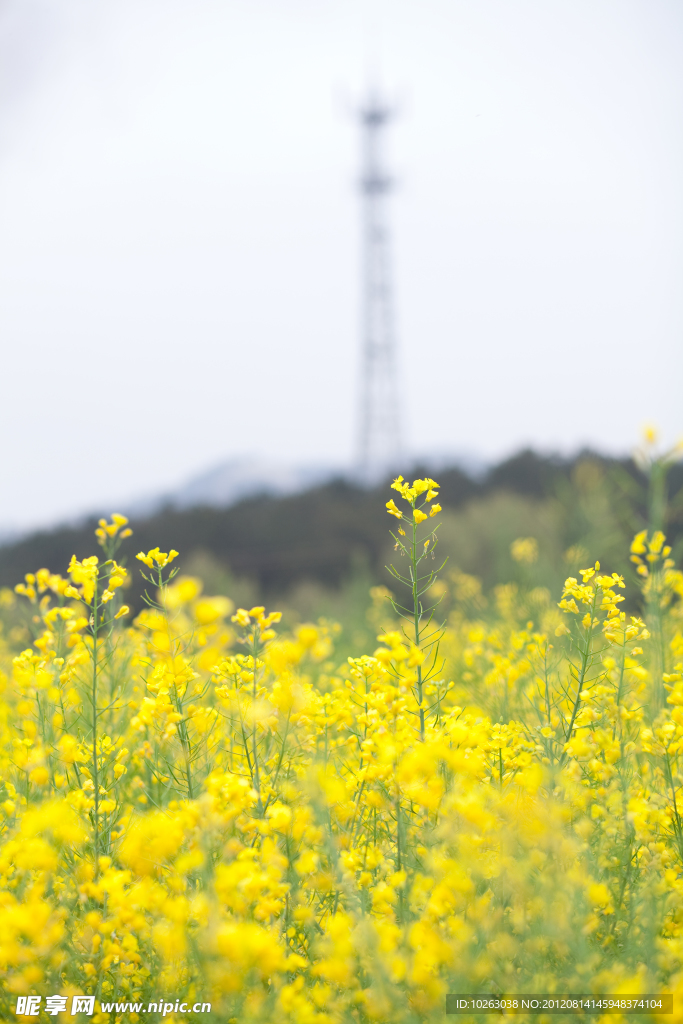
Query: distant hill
321,533
234,480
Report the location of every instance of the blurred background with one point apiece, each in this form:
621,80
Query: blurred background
180,264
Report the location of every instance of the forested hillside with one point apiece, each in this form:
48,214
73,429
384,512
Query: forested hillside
327,534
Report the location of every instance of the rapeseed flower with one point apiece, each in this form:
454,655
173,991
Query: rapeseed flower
200,804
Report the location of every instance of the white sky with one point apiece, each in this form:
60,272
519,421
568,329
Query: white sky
179,232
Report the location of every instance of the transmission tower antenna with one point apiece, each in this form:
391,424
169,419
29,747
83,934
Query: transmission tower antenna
379,433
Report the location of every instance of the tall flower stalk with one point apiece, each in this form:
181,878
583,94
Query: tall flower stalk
95,585
421,635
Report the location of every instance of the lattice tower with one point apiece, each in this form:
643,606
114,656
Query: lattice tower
379,427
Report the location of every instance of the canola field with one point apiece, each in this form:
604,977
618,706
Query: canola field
204,817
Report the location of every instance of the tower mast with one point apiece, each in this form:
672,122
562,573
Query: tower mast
379,440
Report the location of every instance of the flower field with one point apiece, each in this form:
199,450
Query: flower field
201,807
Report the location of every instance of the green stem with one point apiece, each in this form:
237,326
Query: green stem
549,746
256,776
581,676
398,827
620,690
416,623
678,827
279,762
187,753
95,766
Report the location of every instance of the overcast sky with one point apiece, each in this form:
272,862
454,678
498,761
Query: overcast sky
179,243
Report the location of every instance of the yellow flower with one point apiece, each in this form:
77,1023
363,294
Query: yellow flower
419,516
155,556
638,545
524,550
40,776
393,510
182,591
106,529
117,576
212,609
429,485
86,574
435,509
